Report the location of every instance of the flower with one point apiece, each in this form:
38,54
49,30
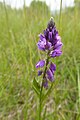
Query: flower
55,53
58,45
50,71
41,63
50,42
43,44
50,75
52,67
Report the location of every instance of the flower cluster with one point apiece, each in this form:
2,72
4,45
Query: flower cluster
50,42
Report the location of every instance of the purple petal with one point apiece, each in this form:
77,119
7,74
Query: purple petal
48,45
58,37
41,37
46,33
41,44
50,75
55,53
50,36
52,67
40,72
41,63
54,40
54,31
58,45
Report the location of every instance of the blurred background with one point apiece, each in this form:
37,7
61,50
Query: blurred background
21,21
53,4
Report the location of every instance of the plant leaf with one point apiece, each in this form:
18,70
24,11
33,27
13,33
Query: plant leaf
36,87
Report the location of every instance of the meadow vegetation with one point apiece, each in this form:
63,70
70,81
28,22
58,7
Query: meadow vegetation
19,30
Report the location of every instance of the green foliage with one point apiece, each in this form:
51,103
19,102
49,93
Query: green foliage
36,87
19,31
76,1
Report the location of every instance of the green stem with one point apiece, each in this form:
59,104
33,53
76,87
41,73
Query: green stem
40,103
60,16
40,98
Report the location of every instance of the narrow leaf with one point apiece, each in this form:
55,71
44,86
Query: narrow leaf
36,87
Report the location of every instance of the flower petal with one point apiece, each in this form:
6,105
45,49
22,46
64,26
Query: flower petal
41,44
48,45
55,53
40,72
58,37
52,67
50,75
58,45
50,36
41,63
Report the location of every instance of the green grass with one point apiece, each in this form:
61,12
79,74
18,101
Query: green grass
19,31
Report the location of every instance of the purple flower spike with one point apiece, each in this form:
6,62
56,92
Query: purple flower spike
39,72
55,53
52,67
41,63
50,75
50,43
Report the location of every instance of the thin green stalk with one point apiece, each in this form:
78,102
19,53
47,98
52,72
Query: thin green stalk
78,85
40,103
7,19
40,99
60,14
78,78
